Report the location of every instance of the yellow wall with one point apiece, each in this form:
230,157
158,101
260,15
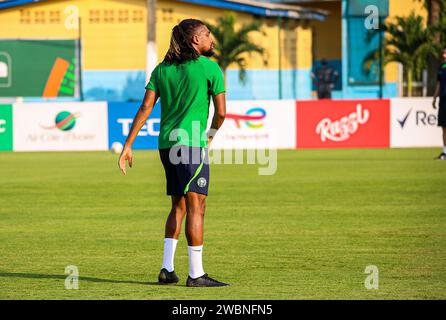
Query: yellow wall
117,45
113,32
404,8
401,8
305,44
170,13
327,34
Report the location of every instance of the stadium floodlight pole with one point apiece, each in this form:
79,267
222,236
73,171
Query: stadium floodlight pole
81,94
151,51
279,23
380,58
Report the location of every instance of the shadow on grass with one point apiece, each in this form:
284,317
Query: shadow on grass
63,277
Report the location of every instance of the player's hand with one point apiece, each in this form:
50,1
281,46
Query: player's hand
126,155
210,141
434,103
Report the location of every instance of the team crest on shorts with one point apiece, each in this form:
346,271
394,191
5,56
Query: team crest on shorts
201,182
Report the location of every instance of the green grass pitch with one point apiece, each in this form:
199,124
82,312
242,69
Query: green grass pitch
307,232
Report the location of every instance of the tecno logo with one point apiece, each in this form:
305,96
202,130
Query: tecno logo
2,125
147,130
422,118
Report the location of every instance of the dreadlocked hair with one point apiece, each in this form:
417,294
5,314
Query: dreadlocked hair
181,49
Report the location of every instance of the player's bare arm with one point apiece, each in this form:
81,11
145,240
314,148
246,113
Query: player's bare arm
436,95
140,119
219,115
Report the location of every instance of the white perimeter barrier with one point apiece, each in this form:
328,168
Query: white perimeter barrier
413,123
70,126
76,126
257,125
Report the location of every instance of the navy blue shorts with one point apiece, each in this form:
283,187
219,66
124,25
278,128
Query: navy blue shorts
187,169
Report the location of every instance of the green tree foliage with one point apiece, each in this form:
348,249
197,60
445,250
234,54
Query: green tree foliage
232,45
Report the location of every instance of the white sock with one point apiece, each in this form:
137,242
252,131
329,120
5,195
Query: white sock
195,261
444,149
169,252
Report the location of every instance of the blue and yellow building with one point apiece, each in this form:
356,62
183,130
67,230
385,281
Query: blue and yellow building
97,49
341,39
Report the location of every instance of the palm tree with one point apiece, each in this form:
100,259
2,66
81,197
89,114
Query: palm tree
407,42
232,44
437,23
438,32
435,9
436,17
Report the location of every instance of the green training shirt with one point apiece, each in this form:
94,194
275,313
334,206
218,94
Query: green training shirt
185,91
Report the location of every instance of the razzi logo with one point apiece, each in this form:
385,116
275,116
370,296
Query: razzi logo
344,128
422,118
147,130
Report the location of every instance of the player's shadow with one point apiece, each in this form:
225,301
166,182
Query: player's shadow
63,277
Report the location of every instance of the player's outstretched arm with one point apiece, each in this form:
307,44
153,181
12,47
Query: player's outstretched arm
140,119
